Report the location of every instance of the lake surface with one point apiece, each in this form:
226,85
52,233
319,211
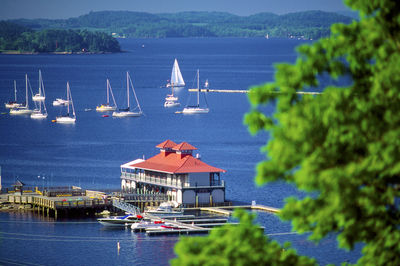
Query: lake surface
89,153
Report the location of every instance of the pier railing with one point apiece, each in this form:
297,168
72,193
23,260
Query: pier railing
134,197
176,183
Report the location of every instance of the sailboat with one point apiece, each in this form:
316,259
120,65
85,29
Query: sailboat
40,96
176,76
128,112
196,109
171,100
67,118
23,110
107,107
41,111
14,104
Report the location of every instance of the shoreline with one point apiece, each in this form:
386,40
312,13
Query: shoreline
55,53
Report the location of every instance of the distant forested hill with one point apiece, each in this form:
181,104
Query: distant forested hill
14,37
309,25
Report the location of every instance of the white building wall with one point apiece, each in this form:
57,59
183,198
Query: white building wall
123,184
201,179
179,196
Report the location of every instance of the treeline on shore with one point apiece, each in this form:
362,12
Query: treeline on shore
14,37
308,25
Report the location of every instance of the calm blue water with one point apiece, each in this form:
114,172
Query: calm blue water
89,153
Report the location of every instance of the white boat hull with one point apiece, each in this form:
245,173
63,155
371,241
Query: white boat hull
171,104
60,102
126,114
20,111
145,225
38,98
119,221
38,115
105,108
196,110
13,105
65,119
171,98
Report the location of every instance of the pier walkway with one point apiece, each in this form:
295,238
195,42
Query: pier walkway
66,204
228,210
247,91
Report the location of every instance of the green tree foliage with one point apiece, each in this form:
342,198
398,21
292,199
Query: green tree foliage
16,37
342,146
236,245
311,24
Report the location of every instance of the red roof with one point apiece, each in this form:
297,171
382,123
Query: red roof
166,144
184,146
176,163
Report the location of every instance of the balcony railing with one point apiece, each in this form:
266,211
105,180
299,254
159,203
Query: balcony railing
176,183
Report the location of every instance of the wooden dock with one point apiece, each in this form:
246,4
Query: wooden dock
60,205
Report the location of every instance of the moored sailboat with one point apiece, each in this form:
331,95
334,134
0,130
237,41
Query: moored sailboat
171,100
40,112
196,109
13,104
128,112
40,96
107,107
67,118
23,110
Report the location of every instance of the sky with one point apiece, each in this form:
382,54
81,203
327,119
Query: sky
61,9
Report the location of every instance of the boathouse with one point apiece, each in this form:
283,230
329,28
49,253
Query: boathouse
175,172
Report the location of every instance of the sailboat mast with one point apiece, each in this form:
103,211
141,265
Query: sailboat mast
127,87
40,83
198,88
68,98
108,87
72,103
15,90
26,91
134,94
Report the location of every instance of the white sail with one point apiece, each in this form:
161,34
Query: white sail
176,76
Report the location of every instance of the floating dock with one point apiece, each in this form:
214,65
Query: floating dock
228,210
185,225
247,91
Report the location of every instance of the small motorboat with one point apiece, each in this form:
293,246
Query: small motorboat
120,221
144,224
165,210
60,102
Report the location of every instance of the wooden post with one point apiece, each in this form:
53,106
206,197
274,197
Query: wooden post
211,200
197,201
